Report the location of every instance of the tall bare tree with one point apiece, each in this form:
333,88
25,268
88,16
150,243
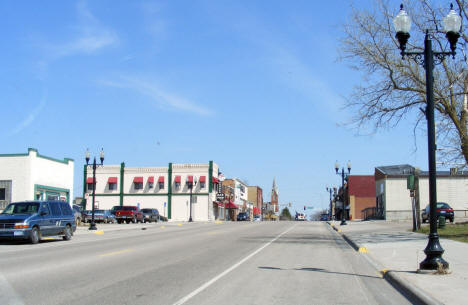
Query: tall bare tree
394,89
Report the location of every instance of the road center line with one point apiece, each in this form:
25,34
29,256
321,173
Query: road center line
213,280
117,252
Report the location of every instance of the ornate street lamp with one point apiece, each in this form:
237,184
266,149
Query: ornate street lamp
343,175
92,225
330,213
428,58
191,181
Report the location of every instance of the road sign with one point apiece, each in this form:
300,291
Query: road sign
310,208
220,196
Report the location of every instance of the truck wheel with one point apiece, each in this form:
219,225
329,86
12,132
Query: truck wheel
68,233
35,236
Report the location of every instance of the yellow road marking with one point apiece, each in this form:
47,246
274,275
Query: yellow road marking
339,231
363,250
218,221
163,227
180,225
47,238
100,232
383,271
117,252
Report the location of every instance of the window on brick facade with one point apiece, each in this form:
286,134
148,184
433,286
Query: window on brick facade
112,186
138,185
90,186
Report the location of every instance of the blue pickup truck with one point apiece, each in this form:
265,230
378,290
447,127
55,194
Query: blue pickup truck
31,220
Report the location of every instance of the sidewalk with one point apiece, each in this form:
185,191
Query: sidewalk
396,252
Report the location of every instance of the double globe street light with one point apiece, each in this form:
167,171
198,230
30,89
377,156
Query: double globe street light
330,212
92,225
191,181
343,197
429,58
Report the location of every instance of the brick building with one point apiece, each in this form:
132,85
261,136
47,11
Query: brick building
361,195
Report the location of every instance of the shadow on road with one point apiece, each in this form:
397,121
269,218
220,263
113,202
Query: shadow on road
320,270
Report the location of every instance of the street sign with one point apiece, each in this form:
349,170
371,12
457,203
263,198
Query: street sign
310,208
220,196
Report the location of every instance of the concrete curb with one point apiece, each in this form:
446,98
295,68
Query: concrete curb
413,293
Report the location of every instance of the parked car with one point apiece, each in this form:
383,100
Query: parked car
150,215
32,220
324,217
104,216
77,210
257,218
128,214
243,216
443,209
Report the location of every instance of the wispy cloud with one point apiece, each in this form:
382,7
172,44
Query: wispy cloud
158,96
90,36
30,118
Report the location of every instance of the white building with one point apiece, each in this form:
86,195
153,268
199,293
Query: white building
163,188
32,176
393,197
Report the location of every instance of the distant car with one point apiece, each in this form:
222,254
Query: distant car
324,217
104,216
243,216
443,209
257,218
128,214
300,217
77,210
150,215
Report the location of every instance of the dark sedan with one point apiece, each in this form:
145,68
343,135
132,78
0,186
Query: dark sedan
443,209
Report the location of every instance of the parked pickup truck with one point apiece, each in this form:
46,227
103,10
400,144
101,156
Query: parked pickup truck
128,214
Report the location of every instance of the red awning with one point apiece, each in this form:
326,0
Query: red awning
190,179
161,179
151,179
231,205
202,179
112,180
256,211
177,179
215,180
138,180
89,180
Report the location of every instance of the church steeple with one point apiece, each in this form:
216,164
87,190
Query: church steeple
274,195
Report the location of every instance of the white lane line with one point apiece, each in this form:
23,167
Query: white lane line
213,280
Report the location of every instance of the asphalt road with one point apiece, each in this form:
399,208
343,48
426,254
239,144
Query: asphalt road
197,263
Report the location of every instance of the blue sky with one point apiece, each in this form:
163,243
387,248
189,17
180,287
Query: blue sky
252,85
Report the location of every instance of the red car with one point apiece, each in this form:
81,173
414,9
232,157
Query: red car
128,214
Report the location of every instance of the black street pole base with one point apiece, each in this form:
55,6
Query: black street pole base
343,223
190,219
434,251
92,226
